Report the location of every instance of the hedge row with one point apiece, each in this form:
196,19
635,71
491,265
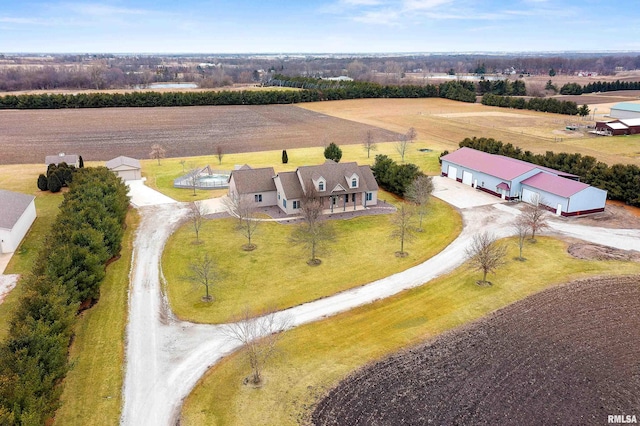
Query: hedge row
533,104
70,266
621,181
348,90
599,86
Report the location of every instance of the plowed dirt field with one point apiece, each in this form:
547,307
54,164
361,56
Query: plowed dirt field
102,134
568,355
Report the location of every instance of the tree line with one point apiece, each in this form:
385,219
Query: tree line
534,104
354,90
66,277
599,86
621,181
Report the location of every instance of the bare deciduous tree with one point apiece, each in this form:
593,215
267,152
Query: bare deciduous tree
314,234
402,145
243,207
369,144
182,163
203,272
219,153
260,336
403,228
486,255
197,211
521,229
157,152
419,193
535,215
193,178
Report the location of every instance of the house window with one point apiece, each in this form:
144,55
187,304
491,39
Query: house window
296,204
369,196
258,198
284,203
320,186
354,183
278,195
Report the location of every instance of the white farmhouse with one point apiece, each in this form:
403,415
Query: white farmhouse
17,214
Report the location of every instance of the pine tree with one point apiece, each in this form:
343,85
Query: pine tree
43,183
54,183
285,157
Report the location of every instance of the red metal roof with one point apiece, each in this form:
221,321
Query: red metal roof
555,184
495,165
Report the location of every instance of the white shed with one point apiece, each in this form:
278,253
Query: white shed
17,214
125,168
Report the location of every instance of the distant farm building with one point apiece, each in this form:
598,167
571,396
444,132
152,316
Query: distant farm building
70,159
125,168
625,110
630,126
17,214
513,179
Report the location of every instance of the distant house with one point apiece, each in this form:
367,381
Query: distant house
341,186
625,110
513,179
125,168
17,214
70,159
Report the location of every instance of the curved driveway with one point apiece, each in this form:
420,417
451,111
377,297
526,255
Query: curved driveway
165,357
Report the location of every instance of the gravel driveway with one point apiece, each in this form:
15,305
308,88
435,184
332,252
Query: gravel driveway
165,357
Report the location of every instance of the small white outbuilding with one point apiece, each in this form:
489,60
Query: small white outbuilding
125,168
17,214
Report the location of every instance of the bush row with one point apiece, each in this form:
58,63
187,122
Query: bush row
67,275
599,86
621,181
394,177
460,91
533,104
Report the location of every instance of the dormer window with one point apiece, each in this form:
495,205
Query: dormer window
321,186
354,183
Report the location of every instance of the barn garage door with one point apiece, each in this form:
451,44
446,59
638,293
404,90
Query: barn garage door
528,195
466,177
452,172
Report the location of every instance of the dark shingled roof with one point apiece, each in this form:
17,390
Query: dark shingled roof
339,174
12,206
249,181
291,185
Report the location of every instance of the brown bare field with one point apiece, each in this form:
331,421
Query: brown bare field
27,136
568,355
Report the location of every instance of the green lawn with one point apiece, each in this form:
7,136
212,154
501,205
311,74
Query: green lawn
316,356
93,388
161,176
276,275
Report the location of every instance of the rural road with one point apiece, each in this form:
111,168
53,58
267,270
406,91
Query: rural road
166,357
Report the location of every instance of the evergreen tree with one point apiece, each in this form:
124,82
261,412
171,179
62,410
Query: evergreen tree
285,157
80,162
43,183
333,152
54,183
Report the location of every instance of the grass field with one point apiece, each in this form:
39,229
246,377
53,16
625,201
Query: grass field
93,388
276,275
442,124
160,177
315,357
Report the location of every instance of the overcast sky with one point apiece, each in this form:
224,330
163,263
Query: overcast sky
317,26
